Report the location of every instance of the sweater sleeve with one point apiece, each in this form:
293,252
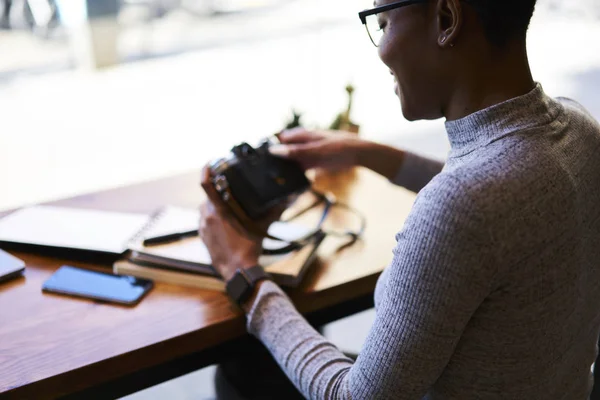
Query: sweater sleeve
439,276
416,172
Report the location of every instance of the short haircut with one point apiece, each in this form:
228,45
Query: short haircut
504,20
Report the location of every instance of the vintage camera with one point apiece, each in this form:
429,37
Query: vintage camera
252,181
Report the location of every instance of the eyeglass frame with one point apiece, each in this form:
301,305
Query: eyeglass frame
380,9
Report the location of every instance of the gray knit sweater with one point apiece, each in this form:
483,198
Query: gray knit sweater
494,288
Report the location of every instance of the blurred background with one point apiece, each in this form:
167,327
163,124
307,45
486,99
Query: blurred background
96,94
101,93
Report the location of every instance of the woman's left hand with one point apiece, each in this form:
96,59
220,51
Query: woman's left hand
230,246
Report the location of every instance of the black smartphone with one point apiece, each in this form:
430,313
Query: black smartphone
10,267
88,284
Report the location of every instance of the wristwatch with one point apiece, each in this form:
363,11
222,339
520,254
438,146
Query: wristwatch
241,286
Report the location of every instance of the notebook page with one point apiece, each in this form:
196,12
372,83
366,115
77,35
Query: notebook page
173,219
176,219
193,250
189,250
72,228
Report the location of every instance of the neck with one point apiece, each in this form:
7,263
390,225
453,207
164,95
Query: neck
486,83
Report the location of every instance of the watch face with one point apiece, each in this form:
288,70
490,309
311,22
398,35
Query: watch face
237,287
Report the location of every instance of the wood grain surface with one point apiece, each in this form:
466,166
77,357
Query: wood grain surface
53,345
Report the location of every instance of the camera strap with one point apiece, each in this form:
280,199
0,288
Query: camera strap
254,229
328,203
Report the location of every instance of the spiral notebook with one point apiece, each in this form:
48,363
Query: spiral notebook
190,256
287,270
73,228
114,233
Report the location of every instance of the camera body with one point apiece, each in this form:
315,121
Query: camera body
252,181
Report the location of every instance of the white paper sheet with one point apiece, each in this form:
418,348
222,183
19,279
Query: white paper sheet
72,228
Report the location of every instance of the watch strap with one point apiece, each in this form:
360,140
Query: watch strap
256,274
241,286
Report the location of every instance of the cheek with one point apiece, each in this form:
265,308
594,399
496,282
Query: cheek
394,55
405,50
395,52
388,52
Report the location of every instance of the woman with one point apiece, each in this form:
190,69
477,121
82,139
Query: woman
494,289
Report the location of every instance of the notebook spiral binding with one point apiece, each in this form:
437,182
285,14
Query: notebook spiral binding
152,220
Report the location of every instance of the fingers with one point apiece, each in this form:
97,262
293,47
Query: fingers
204,215
206,181
302,145
295,151
215,204
280,150
275,213
264,224
211,215
307,154
211,192
299,135
214,208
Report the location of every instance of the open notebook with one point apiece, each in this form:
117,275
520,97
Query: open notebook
72,228
167,262
288,270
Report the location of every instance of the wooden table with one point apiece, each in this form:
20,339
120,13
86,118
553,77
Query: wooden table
53,346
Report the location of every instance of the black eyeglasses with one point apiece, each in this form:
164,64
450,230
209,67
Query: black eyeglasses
369,18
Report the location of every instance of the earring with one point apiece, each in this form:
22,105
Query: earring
443,39
451,44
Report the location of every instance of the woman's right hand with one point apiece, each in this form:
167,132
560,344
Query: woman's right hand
319,149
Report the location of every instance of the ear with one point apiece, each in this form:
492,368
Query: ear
449,22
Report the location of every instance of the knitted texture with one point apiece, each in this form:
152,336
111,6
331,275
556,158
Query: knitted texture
494,288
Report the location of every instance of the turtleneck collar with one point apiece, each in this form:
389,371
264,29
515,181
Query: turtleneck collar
482,127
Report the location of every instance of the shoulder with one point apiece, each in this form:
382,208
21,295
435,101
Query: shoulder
472,188
507,179
449,203
446,234
577,112
516,192
572,105
447,191
495,192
